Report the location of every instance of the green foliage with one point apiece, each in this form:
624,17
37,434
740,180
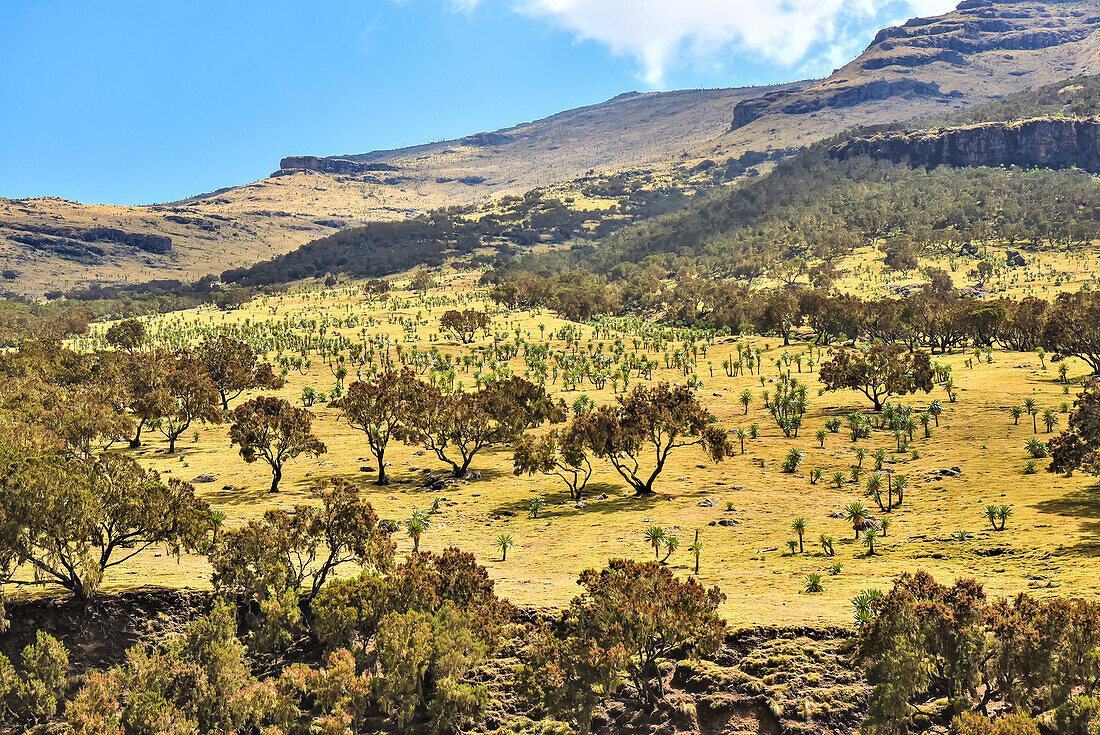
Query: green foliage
652,421
973,723
274,430
298,551
923,637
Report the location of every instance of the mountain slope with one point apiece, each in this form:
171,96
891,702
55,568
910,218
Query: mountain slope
984,50
52,243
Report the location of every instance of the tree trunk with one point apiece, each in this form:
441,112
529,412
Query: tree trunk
172,443
136,441
382,478
277,474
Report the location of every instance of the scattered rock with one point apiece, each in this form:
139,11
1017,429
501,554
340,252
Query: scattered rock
707,503
204,478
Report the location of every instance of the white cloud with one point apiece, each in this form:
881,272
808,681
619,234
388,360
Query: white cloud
663,34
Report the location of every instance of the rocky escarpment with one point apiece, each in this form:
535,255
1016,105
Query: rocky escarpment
86,244
331,165
987,25
1042,142
800,103
971,54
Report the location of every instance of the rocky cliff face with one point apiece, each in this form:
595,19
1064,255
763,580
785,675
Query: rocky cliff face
981,50
332,165
1044,142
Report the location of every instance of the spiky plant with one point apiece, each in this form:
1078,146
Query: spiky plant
696,548
504,543
793,460
1036,448
869,538
799,527
671,543
857,514
655,537
416,525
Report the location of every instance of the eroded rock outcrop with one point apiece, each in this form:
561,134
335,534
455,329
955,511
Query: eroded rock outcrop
1057,143
332,165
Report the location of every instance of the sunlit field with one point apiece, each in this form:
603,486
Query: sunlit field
743,508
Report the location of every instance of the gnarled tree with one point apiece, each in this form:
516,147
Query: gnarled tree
878,371
74,519
456,426
651,421
274,430
383,409
233,367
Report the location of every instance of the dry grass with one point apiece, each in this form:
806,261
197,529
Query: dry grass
1049,546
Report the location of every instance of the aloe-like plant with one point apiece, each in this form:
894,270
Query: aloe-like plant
864,604
793,460
655,537
1036,447
416,525
857,514
671,543
799,527
504,543
536,505
869,538
696,548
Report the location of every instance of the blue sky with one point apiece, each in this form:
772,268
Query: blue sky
140,101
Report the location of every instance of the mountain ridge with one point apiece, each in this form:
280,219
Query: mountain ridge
982,51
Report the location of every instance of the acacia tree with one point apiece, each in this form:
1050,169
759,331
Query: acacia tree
383,409
74,519
558,453
189,396
456,426
301,549
233,367
274,430
879,371
463,324
652,421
